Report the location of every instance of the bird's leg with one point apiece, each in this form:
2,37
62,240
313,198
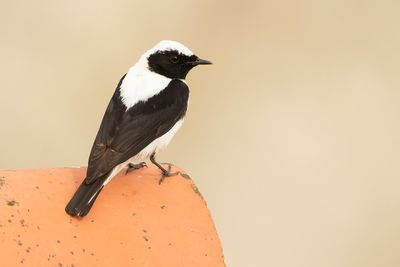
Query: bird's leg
132,167
165,173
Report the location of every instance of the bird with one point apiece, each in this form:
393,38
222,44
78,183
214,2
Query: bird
146,110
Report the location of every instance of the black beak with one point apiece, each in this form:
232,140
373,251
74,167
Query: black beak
200,61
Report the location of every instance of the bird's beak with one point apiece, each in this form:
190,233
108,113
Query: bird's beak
200,61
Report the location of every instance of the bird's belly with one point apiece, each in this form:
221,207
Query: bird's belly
155,146
158,144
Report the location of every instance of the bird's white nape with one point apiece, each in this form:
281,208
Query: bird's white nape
140,84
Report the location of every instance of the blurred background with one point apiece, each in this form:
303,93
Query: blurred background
292,136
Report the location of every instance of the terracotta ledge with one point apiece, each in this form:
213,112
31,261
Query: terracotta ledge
134,222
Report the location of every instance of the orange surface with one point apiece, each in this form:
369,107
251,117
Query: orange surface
134,222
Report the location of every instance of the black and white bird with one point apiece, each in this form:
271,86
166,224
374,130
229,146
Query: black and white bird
145,112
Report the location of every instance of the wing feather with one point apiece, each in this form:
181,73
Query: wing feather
124,133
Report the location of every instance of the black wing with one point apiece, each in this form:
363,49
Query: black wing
124,133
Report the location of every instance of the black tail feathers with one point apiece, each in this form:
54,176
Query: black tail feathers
83,199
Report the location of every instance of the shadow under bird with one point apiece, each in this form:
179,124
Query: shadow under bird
146,110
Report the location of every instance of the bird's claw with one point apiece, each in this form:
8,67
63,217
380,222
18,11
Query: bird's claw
132,167
167,174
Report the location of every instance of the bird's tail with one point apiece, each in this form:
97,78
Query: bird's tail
83,199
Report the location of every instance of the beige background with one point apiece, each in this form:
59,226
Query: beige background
293,134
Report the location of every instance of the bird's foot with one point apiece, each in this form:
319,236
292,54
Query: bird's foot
167,173
132,167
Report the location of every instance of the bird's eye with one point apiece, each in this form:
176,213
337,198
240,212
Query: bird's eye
174,59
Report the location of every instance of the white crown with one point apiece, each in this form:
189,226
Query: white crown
168,45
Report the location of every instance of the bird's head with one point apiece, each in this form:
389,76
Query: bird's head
171,59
